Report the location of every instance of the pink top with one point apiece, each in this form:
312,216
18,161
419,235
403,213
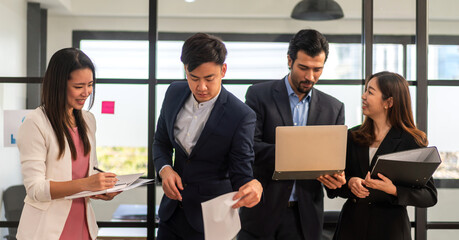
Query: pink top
76,226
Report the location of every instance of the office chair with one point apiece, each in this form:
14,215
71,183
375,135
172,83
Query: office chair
13,200
330,221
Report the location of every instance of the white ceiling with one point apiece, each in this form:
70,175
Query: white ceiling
260,9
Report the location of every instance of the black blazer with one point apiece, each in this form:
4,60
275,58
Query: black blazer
380,215
220,162
271,103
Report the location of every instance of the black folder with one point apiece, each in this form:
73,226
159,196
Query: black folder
411,168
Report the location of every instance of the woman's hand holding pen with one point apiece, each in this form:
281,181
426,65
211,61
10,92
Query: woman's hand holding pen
100,181
385,184
357,188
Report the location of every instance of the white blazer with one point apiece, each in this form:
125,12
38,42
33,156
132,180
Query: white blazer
43,218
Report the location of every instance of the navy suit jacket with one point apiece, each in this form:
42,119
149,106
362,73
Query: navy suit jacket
271,103
220,162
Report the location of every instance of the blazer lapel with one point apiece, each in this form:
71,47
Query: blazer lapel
388,145
282,102
174,114
213,121
314,108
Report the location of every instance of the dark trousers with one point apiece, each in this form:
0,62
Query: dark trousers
178,228
289,228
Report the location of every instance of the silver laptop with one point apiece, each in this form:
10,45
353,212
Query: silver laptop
306,152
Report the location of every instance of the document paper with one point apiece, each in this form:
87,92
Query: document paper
220,220
125,182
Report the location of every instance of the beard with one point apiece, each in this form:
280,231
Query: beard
305,90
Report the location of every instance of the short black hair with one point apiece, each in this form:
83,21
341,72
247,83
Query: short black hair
312,42
201,48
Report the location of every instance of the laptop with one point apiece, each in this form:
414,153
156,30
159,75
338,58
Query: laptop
307,152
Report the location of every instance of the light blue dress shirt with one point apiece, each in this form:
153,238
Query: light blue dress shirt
300,111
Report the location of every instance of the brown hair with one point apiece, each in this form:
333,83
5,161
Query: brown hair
54,97
400,114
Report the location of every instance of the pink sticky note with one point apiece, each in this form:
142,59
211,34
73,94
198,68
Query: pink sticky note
108,107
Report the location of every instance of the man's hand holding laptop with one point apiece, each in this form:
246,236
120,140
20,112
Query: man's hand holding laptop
333,181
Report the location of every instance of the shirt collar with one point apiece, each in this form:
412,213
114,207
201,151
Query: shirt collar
210,103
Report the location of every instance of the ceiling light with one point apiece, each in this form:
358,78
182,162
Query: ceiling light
317,10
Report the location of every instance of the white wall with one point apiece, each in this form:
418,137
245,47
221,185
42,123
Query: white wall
60,28
13,19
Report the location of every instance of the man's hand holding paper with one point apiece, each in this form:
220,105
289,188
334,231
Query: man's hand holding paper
249,194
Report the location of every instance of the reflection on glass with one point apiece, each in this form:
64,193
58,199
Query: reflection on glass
122,133
118,58
239,90
160,93
168,61
444,62
351,97
344,61
442,130
388,57
411,62
256,60
246,60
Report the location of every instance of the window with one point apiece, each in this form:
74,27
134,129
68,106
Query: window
252,61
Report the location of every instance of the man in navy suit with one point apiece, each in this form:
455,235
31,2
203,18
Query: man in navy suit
290,209
203,144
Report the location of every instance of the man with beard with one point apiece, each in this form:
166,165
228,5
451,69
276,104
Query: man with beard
290,209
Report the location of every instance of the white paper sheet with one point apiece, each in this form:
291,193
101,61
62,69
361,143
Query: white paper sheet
128,182
221,222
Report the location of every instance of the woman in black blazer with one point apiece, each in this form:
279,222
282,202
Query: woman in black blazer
376,208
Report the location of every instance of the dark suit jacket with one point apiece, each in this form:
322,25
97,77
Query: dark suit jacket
271,103
220,162
380,215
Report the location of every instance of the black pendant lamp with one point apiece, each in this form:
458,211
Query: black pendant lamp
317,10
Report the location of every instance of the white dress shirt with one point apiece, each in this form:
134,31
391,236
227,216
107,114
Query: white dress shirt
372,152
191,120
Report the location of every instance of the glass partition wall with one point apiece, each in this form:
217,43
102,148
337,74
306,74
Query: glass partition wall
443,87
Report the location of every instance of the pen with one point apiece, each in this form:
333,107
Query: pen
95,168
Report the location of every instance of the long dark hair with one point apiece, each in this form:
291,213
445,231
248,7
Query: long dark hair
400,115
54,97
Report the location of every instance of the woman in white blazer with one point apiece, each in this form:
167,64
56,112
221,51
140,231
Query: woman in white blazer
54,139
